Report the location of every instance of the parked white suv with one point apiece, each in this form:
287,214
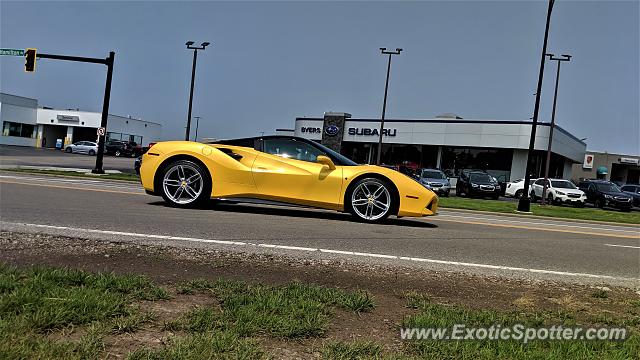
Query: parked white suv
82,147
559,191
515,188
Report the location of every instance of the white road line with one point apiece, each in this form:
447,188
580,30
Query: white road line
623,246
87,182
549,223
343,252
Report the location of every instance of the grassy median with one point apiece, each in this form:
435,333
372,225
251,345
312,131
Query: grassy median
49,313
118,176
563,211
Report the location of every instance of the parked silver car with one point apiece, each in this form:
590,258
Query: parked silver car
82,147
435,180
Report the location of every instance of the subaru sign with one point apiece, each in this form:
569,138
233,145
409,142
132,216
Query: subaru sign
332,130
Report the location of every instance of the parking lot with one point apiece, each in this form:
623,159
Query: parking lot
18,155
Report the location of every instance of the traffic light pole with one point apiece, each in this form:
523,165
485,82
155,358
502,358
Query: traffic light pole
107,95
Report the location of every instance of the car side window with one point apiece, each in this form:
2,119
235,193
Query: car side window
539,182
291,149
592,187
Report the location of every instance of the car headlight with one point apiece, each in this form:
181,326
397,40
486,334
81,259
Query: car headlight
560,192
474,185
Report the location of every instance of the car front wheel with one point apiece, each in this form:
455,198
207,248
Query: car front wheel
184,184
68,150
92,152
371,200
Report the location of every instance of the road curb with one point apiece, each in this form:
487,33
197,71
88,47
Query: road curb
540,217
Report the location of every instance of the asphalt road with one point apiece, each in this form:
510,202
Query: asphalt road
453,241
20,155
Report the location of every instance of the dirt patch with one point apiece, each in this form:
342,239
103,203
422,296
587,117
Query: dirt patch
171,266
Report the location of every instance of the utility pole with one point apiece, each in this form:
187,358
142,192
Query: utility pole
193,79
553,124
195,138
524,204
384,103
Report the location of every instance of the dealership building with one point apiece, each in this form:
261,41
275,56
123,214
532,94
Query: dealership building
447,142
24,123
619,168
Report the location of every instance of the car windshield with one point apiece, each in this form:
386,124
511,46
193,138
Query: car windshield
432,174
562,184
480,178
341,159
607,187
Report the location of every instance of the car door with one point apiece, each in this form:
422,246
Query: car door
537,187
79,147
591,192
286,169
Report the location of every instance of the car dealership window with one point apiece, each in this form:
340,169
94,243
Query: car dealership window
18,129
291,149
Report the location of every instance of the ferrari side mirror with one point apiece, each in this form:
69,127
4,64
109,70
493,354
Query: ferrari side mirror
325,160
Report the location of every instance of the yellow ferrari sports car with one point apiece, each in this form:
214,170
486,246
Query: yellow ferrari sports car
283,169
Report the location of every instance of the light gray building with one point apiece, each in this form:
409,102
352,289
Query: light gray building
26,124
447,142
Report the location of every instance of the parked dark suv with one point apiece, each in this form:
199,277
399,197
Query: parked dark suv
477,183
633,191
122,148
603,193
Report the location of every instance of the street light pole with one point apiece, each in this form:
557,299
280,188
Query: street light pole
195,138
524,204
193,78
553,123
384,104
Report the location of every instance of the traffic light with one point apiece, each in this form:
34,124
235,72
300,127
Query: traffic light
30,60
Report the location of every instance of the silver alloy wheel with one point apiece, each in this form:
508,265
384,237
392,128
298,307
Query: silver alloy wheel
371,200
182,183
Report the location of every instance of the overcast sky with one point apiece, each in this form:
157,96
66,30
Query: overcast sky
271,62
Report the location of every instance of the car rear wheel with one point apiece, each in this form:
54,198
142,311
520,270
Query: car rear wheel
91,152
371,200
599,204
184,184
118,153
518,194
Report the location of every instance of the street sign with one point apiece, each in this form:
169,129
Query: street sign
12,52
101,131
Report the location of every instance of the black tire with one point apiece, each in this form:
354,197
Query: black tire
550,200
459,192
518,194
599,204
533,197
68,150
387,197
495,197
447,193
118,153
91,152
204,187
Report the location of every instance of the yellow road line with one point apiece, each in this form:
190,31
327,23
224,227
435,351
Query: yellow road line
541,229
72,188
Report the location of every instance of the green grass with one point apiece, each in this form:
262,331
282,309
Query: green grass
358,350
610,215
121,176
40,300
437,315
215,345
294,310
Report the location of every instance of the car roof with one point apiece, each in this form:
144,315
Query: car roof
224,141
